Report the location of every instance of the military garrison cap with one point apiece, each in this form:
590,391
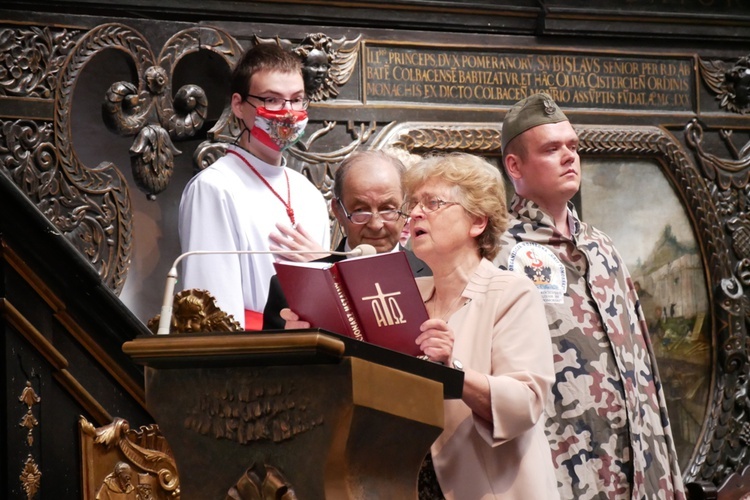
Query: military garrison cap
535,110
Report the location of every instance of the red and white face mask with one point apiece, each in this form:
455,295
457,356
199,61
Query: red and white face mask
279,129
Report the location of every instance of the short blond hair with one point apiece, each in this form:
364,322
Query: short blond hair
476,185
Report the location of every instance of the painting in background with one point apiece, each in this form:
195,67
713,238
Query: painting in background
633,202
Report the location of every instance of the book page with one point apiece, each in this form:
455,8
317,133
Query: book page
311,264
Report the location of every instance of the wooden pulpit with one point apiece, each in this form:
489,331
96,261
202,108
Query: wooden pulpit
307,414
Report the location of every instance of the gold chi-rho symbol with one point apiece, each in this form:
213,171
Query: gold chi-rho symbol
385,308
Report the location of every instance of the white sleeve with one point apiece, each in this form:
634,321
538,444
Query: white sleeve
207,221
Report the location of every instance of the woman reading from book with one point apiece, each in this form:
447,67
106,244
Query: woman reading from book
488,322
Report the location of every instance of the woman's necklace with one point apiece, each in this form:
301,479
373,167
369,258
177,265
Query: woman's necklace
453,307
288,203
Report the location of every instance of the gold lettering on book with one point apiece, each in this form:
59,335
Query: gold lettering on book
385,308
356,330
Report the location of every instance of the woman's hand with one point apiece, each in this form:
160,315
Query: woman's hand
289,238
292,320
436,340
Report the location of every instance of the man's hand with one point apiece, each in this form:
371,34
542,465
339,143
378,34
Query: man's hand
292,320
289,238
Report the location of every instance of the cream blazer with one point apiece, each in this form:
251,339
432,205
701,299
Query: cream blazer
501,331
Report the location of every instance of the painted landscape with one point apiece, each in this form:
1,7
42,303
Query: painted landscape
636,206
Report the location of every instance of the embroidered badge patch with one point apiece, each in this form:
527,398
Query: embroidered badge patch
541,266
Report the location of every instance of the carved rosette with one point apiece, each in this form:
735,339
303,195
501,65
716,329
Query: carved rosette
31,58
31,478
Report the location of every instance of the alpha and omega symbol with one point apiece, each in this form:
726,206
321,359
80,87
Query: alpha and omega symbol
385,307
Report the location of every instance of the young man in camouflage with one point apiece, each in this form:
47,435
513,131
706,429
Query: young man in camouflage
607,421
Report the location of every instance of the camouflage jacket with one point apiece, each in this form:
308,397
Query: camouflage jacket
607,421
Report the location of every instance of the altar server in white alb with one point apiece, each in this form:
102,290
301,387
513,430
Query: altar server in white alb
249,199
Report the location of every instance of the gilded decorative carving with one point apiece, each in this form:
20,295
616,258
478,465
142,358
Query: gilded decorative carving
730,82
253,412
119,484
327,63
31,478
29,397
196,311
31,58
262,482
124,461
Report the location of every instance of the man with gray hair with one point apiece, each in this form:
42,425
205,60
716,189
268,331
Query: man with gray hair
367,200
607,420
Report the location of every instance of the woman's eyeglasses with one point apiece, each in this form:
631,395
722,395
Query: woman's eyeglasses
429,204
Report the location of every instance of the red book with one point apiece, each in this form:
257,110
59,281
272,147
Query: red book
372,298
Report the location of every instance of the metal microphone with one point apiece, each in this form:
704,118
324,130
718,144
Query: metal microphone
165,317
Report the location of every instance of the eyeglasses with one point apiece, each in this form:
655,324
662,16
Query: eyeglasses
278,103
429,204
361,217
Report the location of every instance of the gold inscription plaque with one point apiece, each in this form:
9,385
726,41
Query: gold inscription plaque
427,75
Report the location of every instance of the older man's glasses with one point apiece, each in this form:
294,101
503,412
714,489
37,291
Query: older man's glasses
428,204
278,103
361,217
